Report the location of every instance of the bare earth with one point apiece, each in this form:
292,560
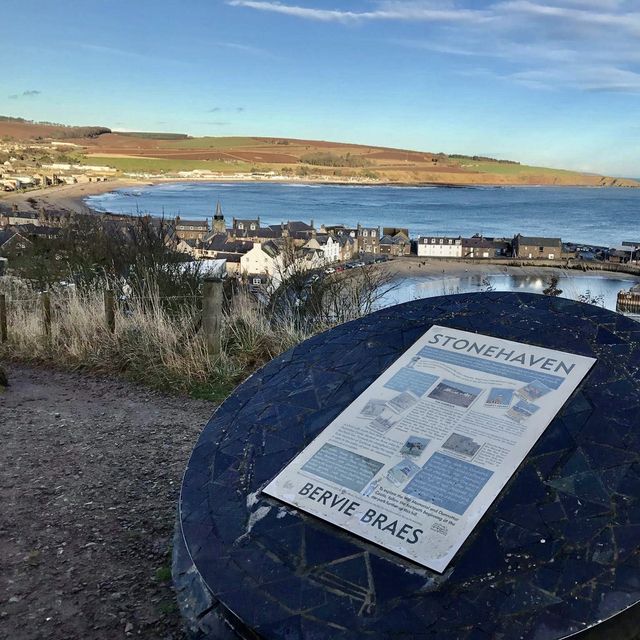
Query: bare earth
90,470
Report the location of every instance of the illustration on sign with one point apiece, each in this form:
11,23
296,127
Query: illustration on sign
416,460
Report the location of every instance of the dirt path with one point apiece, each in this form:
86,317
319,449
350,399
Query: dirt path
90,470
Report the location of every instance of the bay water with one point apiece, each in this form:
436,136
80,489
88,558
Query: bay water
589,216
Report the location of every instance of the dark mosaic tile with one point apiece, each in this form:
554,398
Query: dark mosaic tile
322,547
557,550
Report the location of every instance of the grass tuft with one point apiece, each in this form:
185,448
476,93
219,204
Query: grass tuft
157,346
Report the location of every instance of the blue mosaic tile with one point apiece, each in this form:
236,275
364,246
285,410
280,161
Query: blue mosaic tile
557,552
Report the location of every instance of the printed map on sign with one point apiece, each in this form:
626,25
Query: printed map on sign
416,460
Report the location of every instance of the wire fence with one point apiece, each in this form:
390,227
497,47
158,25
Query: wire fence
210,302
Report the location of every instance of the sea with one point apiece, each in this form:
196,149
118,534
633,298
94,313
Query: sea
592,216
586,216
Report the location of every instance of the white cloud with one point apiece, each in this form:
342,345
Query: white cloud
628,21
590,45
404,11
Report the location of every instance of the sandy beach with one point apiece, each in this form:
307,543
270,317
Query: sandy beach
67,197
414,267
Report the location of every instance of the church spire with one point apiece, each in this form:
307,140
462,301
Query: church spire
219,225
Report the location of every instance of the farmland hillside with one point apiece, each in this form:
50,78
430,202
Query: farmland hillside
169,153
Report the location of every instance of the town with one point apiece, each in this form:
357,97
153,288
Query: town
260,254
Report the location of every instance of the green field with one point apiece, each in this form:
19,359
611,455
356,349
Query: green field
508,169
164,165
230,142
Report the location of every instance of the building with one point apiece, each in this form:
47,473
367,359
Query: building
220,243
348,247
537,248
621,254
439,247
13,243
300,232
635,246
395,242
242,228
189,247
218,224
232,261
479,247
368,239
191,229
329,246
263,259
15,217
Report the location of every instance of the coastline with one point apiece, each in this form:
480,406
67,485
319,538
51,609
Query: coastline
67,197
70,197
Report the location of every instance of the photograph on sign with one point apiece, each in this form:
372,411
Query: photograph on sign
416,460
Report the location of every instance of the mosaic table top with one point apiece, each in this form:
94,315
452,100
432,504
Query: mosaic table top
557,553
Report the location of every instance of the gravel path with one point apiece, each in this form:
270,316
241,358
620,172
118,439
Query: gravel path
90,470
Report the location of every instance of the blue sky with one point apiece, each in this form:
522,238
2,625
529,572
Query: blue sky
550,82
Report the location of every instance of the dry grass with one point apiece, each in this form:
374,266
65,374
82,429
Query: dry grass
160,347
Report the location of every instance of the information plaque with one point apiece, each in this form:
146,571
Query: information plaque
417,459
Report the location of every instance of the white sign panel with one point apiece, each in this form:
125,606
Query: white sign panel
415,461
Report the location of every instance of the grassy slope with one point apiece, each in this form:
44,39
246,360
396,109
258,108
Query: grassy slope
132,164
231,154
397,166
209,142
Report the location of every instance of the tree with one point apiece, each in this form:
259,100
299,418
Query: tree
313,300
589,298
552,287
487,286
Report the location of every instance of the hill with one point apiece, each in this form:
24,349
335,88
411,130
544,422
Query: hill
166,153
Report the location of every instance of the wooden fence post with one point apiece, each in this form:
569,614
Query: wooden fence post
212,314
46,313
110,310
3,318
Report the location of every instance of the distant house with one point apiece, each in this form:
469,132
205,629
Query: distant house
232,261
245,228
265,259
250,229
395,241
33,231
189,247
12,243
328,245
221,243
300,232
368,239
348,247
537,248
15,217
439,247
479,247
621,254
635,246
191,229
339,230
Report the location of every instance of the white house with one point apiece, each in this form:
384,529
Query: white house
264,258
439,247
329,246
